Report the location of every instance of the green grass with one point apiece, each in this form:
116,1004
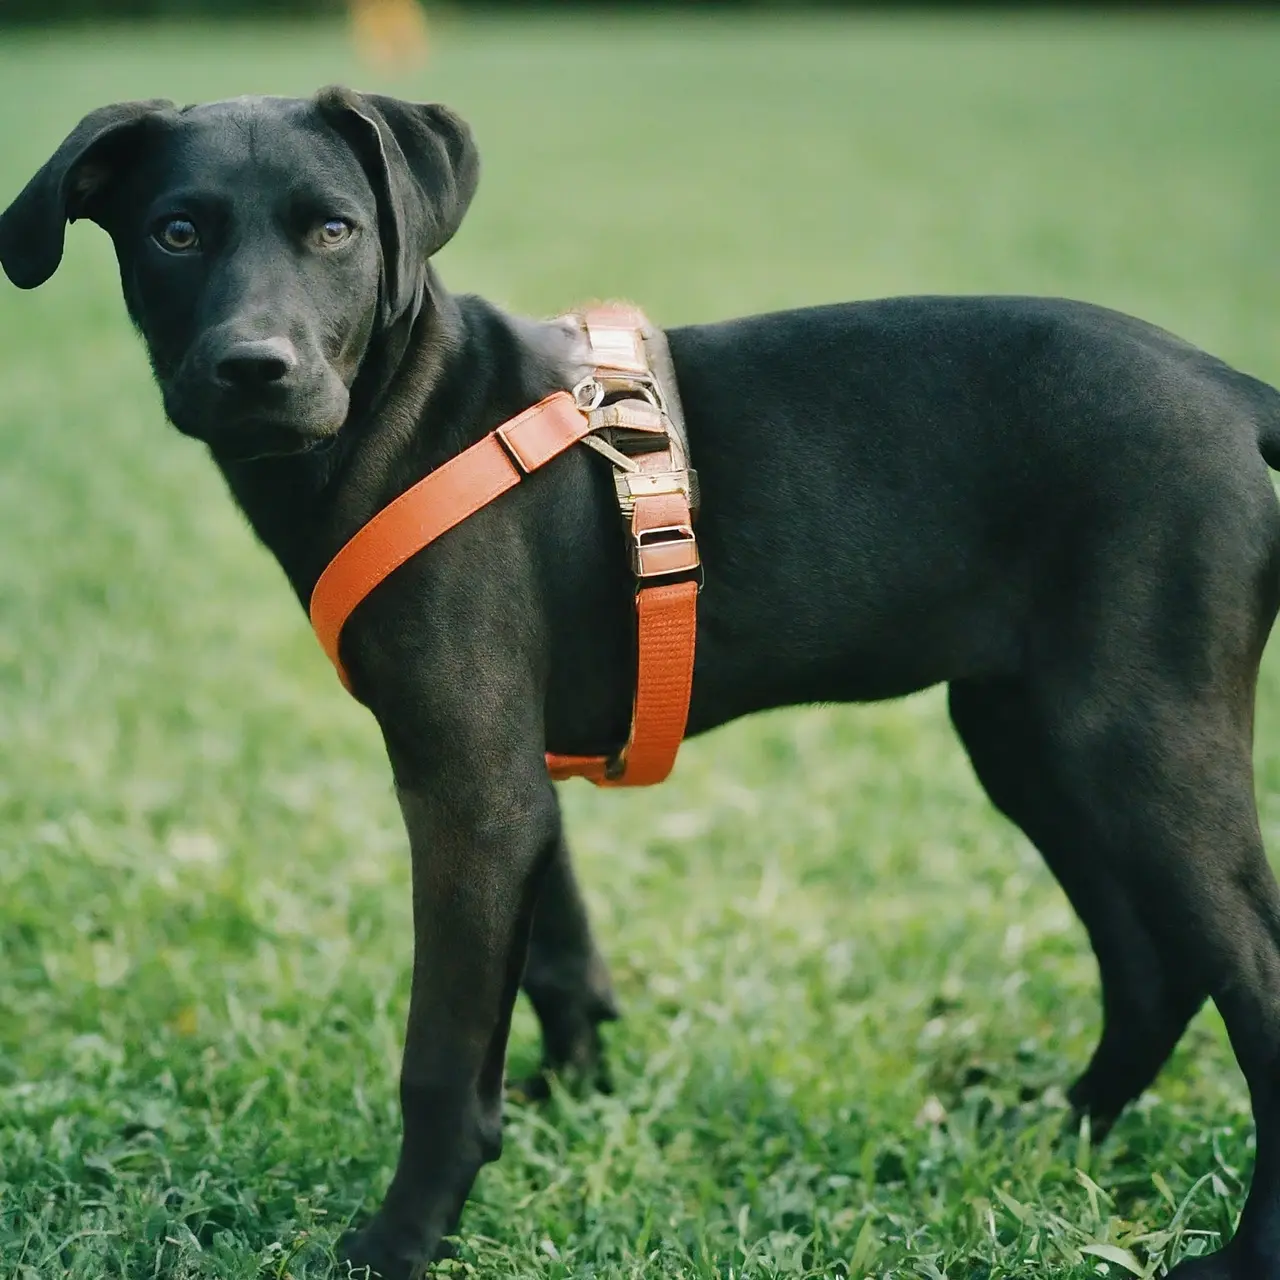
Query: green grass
853,995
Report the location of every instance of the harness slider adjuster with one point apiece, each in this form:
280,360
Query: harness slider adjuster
668,549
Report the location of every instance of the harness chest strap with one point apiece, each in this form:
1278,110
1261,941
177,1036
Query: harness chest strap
446,497
666,612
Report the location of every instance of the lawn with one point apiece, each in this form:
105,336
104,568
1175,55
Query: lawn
853,996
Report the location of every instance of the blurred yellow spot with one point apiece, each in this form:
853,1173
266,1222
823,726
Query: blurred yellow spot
186,1022
390,33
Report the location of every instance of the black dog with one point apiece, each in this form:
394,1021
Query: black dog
1063,512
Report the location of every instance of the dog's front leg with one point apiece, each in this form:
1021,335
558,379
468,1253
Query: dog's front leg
478,850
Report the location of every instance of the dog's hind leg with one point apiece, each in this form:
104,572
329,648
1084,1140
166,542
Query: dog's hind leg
1164,770
1147,995
567,982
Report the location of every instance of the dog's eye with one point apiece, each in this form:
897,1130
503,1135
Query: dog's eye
333,232
178,235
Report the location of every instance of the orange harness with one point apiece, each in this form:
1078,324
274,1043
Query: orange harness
627,409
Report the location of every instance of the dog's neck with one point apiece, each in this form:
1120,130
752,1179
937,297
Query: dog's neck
428,387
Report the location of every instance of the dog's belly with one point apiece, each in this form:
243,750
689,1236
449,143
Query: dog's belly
827,650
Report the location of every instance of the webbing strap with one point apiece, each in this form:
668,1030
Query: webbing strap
435,504
667,623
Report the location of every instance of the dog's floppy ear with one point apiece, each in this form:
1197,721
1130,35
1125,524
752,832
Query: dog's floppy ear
423,166
33,227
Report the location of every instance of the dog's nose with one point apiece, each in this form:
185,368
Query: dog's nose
256,364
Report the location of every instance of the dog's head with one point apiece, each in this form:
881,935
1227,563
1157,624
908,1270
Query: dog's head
262,242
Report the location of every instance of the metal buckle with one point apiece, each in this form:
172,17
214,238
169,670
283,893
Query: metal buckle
588,394
631,485
654,550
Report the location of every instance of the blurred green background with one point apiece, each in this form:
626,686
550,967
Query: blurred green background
42,12
46,11
853,994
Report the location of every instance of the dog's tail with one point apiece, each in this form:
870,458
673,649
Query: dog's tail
1264,400
1269,441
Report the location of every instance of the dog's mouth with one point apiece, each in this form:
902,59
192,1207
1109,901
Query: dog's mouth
241,429
250,438
282,443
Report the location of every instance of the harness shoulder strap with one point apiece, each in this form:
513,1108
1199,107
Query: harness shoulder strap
446,497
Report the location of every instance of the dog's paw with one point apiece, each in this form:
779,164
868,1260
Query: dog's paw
374,1254
576,1062
1202,1269
1213,1267
1229,1264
